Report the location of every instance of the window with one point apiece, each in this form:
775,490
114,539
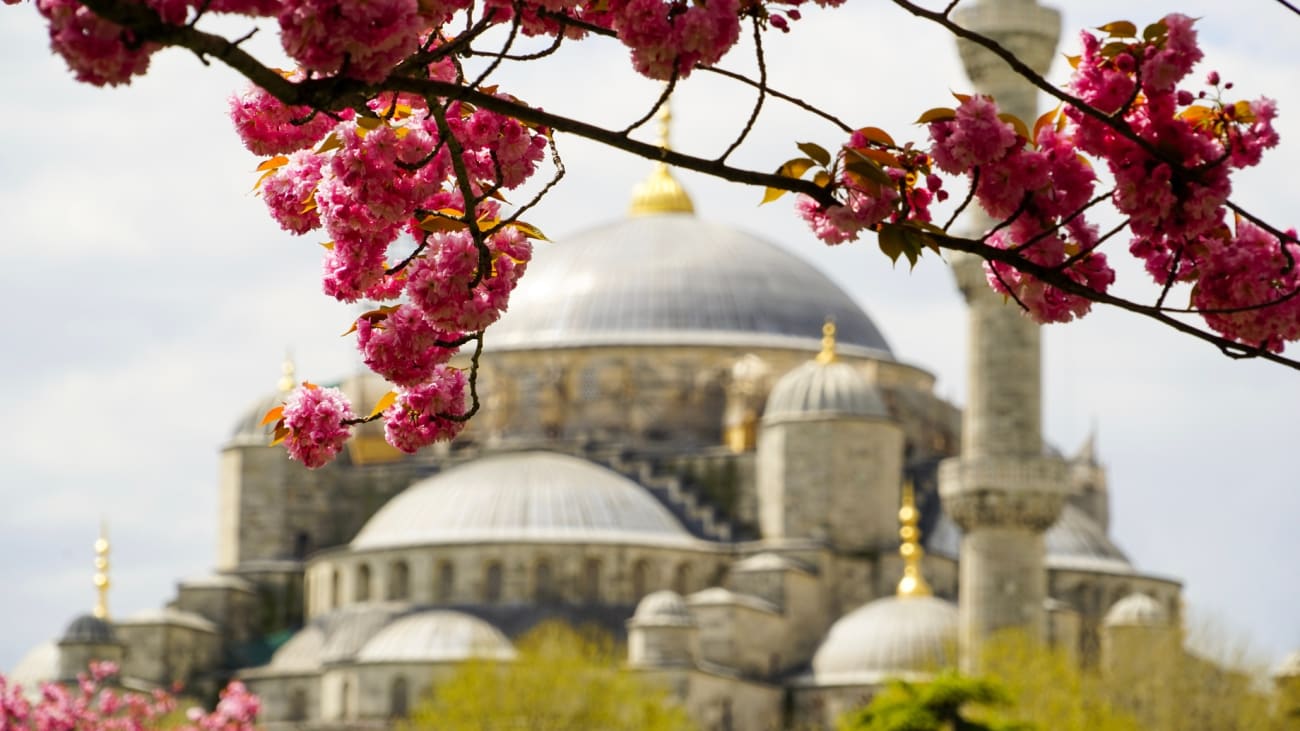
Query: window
298,705
398,698
492,582
345,700
640,579
301,545
591,580
363,583
444,582
543,581
399,581
334,589
682,579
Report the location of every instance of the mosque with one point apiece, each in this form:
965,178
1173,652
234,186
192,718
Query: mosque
718,459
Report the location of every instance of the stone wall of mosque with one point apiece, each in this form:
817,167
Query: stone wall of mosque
1093,593
511,572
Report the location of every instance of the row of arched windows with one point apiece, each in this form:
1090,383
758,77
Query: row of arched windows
543,578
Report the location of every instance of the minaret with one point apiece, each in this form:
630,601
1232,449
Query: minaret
1002,490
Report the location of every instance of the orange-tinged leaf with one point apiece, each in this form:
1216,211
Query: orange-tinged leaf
370,122
333,142
1119,29
273,415
1073,61
529,230
280,433
1045,121
796,168
1243,113
961,98
384,402
1016,123
771,194
822,179
938,114
273,163
309,386
440,224
884,157
878,136
262,179
328,245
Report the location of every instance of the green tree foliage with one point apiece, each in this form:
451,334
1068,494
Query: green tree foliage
562,680
950,702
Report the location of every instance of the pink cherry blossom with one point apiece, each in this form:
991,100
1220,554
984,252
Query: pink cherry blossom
268,127
671,38
289,192
418,417
402,346
371,36
98,51
314,417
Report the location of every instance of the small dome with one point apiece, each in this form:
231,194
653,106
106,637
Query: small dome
1137,610
301,653
89,629
718,596
1289,667
768,561
663,608
249,431
887,638
436,636
528,496
824,389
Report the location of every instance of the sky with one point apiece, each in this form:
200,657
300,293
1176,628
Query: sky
152,301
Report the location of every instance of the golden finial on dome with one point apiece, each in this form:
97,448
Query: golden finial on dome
913,583
660,193
287,375
828,343
101,572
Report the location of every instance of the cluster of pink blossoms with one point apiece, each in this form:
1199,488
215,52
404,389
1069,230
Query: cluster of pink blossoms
315,424
95,706
1038,189
421,415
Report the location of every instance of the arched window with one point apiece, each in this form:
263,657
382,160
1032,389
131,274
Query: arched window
345,701
298,705
334,589
363,583
301,545
444,585
492,582
398,699
399,581
640,579
543,581
591,580
682,579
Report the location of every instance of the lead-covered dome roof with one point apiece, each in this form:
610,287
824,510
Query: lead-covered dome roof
524,496
816,389
888,638
436,635
673,279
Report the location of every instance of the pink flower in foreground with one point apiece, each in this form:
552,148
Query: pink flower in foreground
314,417
363,39
268,127
438,282
975,137
403,347
98,51
289,192
1239,281
419,416
672,38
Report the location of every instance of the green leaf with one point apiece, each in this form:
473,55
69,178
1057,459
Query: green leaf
892,240
816,152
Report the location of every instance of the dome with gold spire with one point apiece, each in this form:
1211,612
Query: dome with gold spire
662,276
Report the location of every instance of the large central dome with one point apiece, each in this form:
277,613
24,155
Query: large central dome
673,279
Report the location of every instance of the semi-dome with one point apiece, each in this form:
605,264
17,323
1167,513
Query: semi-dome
1075,542
89,629
1137,610
437,635
673,279
888,638
663,608
525,496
